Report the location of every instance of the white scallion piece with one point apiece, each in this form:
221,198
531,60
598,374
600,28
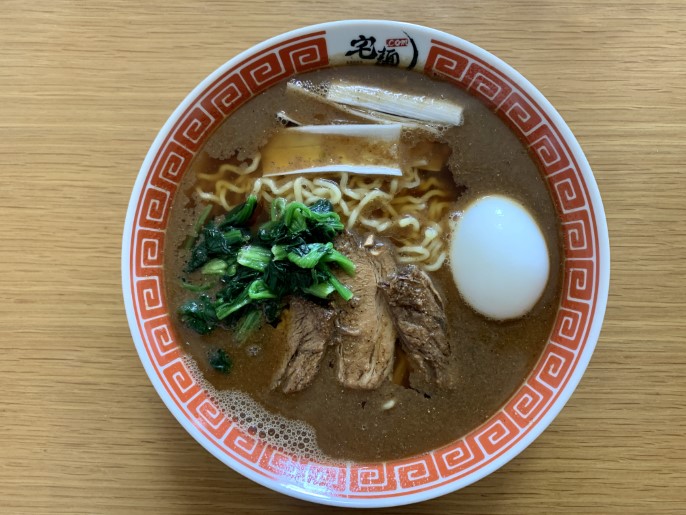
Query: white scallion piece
286,119
299,89
432,110
385,118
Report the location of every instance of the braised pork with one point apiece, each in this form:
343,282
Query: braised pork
310,329
364,331
418,314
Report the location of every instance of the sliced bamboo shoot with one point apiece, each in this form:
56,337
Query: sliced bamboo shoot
367,149
432,110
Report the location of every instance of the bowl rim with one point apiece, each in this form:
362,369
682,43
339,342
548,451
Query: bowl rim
598,313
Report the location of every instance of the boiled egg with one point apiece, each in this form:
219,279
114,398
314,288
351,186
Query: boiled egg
499,258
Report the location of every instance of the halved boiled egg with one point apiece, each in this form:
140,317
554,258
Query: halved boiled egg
499,258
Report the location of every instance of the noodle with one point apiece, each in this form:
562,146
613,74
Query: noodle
412,212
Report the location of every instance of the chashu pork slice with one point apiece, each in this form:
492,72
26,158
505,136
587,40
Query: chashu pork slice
364,331
419,317
310,329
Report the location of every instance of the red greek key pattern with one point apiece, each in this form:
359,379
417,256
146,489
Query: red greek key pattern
244,445
372,478
566,186
527,402
193,127
416,471
148,291
521,113
455,460
150,257
577,234
486,86
548,149
568,325
554,366
497,433
229,93
155,208
180,381
209,415
218,100
173,162
578,291
159,334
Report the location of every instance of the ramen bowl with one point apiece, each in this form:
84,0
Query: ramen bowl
585,278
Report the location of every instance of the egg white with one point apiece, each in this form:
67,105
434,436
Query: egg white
499,258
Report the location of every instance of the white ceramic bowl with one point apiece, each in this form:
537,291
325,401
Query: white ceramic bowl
572,186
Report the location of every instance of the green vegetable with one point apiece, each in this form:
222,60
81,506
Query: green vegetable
202,219
220,243
198,258
340,288
254,257
215,243
295,217
290,254
321,290
199,314
271,309
290,223
220,361
190,240
277,208
322,206
309,254
333,256
247,325
283,278
258,290
215,267
280,251
240,214
225,309
273,231
196,288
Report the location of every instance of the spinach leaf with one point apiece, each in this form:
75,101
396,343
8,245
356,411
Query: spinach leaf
220,361
195,288
287,255
271,309
321,206
240,215
224,309
247,325
255,257
309,254
283,278
199,314
199,257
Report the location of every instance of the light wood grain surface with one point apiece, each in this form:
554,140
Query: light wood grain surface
84,88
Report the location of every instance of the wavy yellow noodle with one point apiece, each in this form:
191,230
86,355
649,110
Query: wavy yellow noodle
412,212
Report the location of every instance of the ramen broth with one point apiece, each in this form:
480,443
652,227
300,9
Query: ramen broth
490,359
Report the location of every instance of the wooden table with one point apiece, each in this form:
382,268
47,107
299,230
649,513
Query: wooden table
83,91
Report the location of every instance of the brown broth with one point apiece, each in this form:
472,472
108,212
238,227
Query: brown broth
490,359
